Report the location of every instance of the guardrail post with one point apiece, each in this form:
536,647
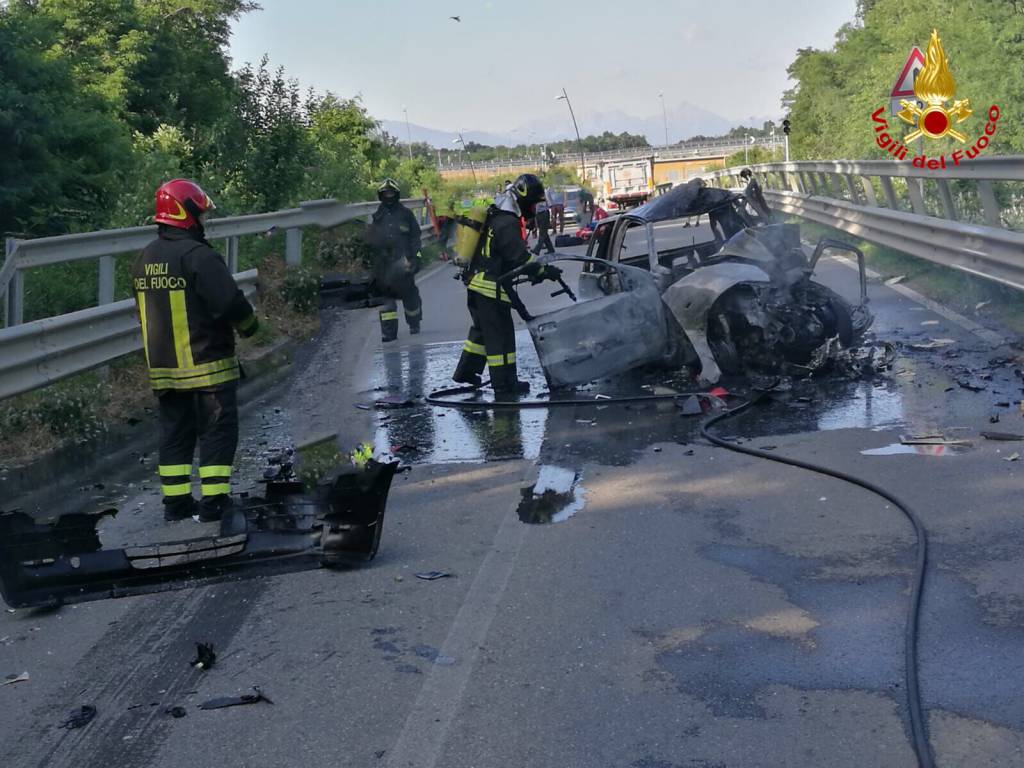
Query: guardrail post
916,198
946,198
830,187
8,297
869,191
105,289
231,253
293,246
989,204
854,197
16,299
890,193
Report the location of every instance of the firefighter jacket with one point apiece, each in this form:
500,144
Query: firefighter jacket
395,232
189,305
501,250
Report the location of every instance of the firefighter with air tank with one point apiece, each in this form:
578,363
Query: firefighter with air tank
490,245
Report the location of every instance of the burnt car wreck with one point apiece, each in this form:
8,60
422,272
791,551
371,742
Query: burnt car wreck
738,299
336,523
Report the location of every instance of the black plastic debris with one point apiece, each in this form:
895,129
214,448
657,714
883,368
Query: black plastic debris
337,522
79,717
223,702
1003,436
432,575
394,401
205,656
176,711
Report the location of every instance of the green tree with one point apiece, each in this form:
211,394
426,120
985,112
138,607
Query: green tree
837,90
63,145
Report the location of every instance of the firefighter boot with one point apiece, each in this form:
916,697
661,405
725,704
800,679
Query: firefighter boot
506,382
179,508
213,508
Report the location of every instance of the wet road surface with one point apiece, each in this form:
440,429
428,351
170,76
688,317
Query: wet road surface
621,592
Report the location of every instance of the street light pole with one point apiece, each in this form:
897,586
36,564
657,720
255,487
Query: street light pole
408,131
664,117
579,141
462,141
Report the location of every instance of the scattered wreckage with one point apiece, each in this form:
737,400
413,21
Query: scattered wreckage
335,523
740,302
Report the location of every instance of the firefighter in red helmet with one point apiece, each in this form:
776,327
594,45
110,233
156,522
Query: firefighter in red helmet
189,308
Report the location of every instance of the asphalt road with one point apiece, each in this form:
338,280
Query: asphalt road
691,607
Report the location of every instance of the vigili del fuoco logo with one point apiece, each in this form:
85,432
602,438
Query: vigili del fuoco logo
928,114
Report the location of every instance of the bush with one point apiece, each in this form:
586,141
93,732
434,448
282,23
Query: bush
301,289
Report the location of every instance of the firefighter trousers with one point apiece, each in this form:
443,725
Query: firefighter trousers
492,342
208,417
403,290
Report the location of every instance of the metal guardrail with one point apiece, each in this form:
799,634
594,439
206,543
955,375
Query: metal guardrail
40,352
28,254
860,198
43,351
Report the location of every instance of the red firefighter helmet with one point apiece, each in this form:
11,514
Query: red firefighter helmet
180,202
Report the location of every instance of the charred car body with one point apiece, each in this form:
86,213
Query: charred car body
738,299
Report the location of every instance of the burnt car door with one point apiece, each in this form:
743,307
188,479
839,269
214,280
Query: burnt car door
621,325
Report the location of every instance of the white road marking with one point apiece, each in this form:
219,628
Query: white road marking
423,736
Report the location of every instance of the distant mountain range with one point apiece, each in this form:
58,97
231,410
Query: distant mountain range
684,121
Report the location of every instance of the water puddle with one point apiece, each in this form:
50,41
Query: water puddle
554,498
921,450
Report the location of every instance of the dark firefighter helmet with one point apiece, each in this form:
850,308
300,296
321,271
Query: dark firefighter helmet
180,203
528,190
388,191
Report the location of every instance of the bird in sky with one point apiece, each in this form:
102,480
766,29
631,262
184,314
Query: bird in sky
456,18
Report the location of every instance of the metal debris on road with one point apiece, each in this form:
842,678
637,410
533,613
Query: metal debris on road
12,679
932,440
222,702
79,717
932,344
205,656
1003,436
432,575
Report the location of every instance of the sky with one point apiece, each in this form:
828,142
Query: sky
505,62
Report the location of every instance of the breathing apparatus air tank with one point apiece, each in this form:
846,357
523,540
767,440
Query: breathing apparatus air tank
469,227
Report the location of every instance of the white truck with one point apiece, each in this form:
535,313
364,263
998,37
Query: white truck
627,183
